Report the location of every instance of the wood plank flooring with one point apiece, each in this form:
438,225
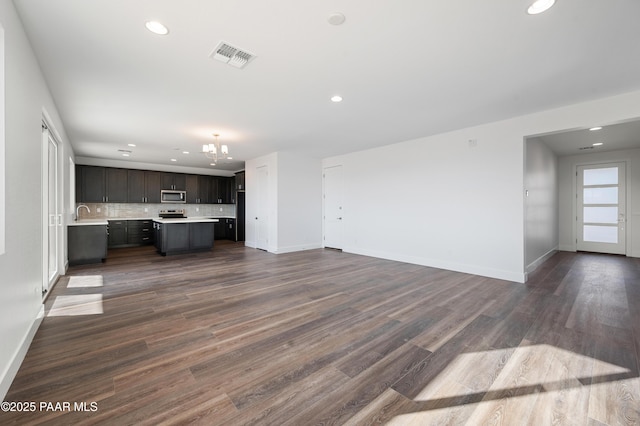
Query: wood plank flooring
240,336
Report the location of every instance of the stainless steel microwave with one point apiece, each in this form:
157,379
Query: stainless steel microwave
173,196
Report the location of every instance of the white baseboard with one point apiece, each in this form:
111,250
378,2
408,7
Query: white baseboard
16,362
302,247
514,276
539,261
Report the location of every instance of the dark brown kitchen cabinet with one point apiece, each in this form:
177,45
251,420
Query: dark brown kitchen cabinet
96,184
116,182
117,233
130,233
177,181
222,190
90,186
86,244
174,238
239,181
144,186
204,189
230,229
198,189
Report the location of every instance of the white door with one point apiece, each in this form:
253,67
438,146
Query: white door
52,233
333,215
601,208
262,217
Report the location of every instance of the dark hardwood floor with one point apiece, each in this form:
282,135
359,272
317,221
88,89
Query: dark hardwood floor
240,336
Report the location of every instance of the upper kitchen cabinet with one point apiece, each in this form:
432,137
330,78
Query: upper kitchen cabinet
101,185
90,187
144,186
198,189
239,181
222,190
116,181
177,181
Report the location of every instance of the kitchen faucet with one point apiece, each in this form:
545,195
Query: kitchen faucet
78,210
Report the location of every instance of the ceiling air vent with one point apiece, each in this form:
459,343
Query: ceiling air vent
234,56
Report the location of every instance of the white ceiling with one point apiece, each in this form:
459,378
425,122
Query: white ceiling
613,137
405,70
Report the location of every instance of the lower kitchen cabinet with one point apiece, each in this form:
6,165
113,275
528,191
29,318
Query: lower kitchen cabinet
183,237
87,244
226,229
130,233
117,233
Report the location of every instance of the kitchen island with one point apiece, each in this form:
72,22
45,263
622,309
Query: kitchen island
183,235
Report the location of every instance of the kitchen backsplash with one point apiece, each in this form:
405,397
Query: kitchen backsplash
133,210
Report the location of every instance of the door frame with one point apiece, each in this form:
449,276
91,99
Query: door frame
324,207
48,132
627,193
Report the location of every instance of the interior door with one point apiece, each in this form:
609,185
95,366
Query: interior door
262,217
601,208
333,215
53,215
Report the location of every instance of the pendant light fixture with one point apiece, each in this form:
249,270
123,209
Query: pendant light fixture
215,151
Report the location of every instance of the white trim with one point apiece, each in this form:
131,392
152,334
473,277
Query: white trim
450,266
3,167
539,261
292,249
16,361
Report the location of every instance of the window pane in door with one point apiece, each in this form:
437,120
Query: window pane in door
608,176
600,234
600,214
601,195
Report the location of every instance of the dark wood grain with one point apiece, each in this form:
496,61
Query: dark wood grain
240,336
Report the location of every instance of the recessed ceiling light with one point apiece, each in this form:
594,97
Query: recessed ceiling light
336,19
212,164
125,155
131,144
156,27
185,152
336,98
593,129
229,158
173,159
540,6
598,143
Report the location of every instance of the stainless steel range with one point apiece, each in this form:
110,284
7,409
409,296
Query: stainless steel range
172,214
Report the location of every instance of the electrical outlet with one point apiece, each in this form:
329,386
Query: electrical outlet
98,210
146,210
197,209
220,208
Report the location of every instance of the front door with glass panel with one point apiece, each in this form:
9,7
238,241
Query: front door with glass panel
601,208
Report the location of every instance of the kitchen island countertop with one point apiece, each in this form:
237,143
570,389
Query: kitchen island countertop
185,219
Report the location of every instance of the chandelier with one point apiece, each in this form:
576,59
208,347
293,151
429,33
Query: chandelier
215,151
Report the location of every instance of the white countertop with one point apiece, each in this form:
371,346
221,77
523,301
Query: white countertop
185,220
86,222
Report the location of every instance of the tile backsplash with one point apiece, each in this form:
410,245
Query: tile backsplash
135,210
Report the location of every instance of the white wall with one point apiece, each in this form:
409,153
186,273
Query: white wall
541,203
440,202
27,98
567,185
295,202
299,203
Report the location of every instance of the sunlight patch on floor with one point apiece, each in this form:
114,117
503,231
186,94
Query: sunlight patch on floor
518,385
85,281
81,304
